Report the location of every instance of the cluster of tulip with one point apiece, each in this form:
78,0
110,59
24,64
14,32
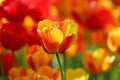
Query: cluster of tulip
59,39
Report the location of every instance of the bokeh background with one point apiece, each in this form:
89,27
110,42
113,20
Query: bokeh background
94,56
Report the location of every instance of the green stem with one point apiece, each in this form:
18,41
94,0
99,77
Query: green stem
2,70
65,63
61,71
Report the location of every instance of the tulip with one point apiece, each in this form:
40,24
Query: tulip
13,36
98,19
21,74
7,61
78,9
13,10
37,57
78,46
43,73
37,9
47,73
77,74
97,61
113,40
57,36
33,38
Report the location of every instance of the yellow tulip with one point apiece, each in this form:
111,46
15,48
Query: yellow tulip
77,74
98,60
113,40
57,36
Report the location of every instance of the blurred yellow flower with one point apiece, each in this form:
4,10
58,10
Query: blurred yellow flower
76,74
98,60
113,40
29,23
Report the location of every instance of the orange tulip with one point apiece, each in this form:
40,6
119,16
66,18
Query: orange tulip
47,73
97,61
57,36
113,40
37,57
21,74
43,73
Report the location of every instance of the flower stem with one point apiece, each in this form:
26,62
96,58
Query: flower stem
65,63
2,69
61,71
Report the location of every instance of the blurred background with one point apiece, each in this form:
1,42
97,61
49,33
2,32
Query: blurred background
97,48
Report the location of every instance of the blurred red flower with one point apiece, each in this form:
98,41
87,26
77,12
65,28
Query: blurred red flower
7,61
13,36
13,10
98,19
38,9
33,38
116,2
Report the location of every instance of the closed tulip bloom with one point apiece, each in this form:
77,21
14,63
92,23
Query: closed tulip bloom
98,60
13,10
47,73
43,73
57,36
7,61
21,74
37,57
13,36
113,40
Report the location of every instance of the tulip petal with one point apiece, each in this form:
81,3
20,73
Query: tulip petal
46,71
66,43
52,39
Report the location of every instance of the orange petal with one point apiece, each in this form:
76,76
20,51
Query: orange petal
46,71
13,73
45,23
52,39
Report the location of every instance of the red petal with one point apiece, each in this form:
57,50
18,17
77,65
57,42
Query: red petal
66,43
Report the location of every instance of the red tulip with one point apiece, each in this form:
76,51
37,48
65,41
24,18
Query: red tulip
7,61
13,36
37,9
98,19
33,37
116,2
14,10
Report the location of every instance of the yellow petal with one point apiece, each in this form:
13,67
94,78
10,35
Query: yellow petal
45,23
56,35
77,74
